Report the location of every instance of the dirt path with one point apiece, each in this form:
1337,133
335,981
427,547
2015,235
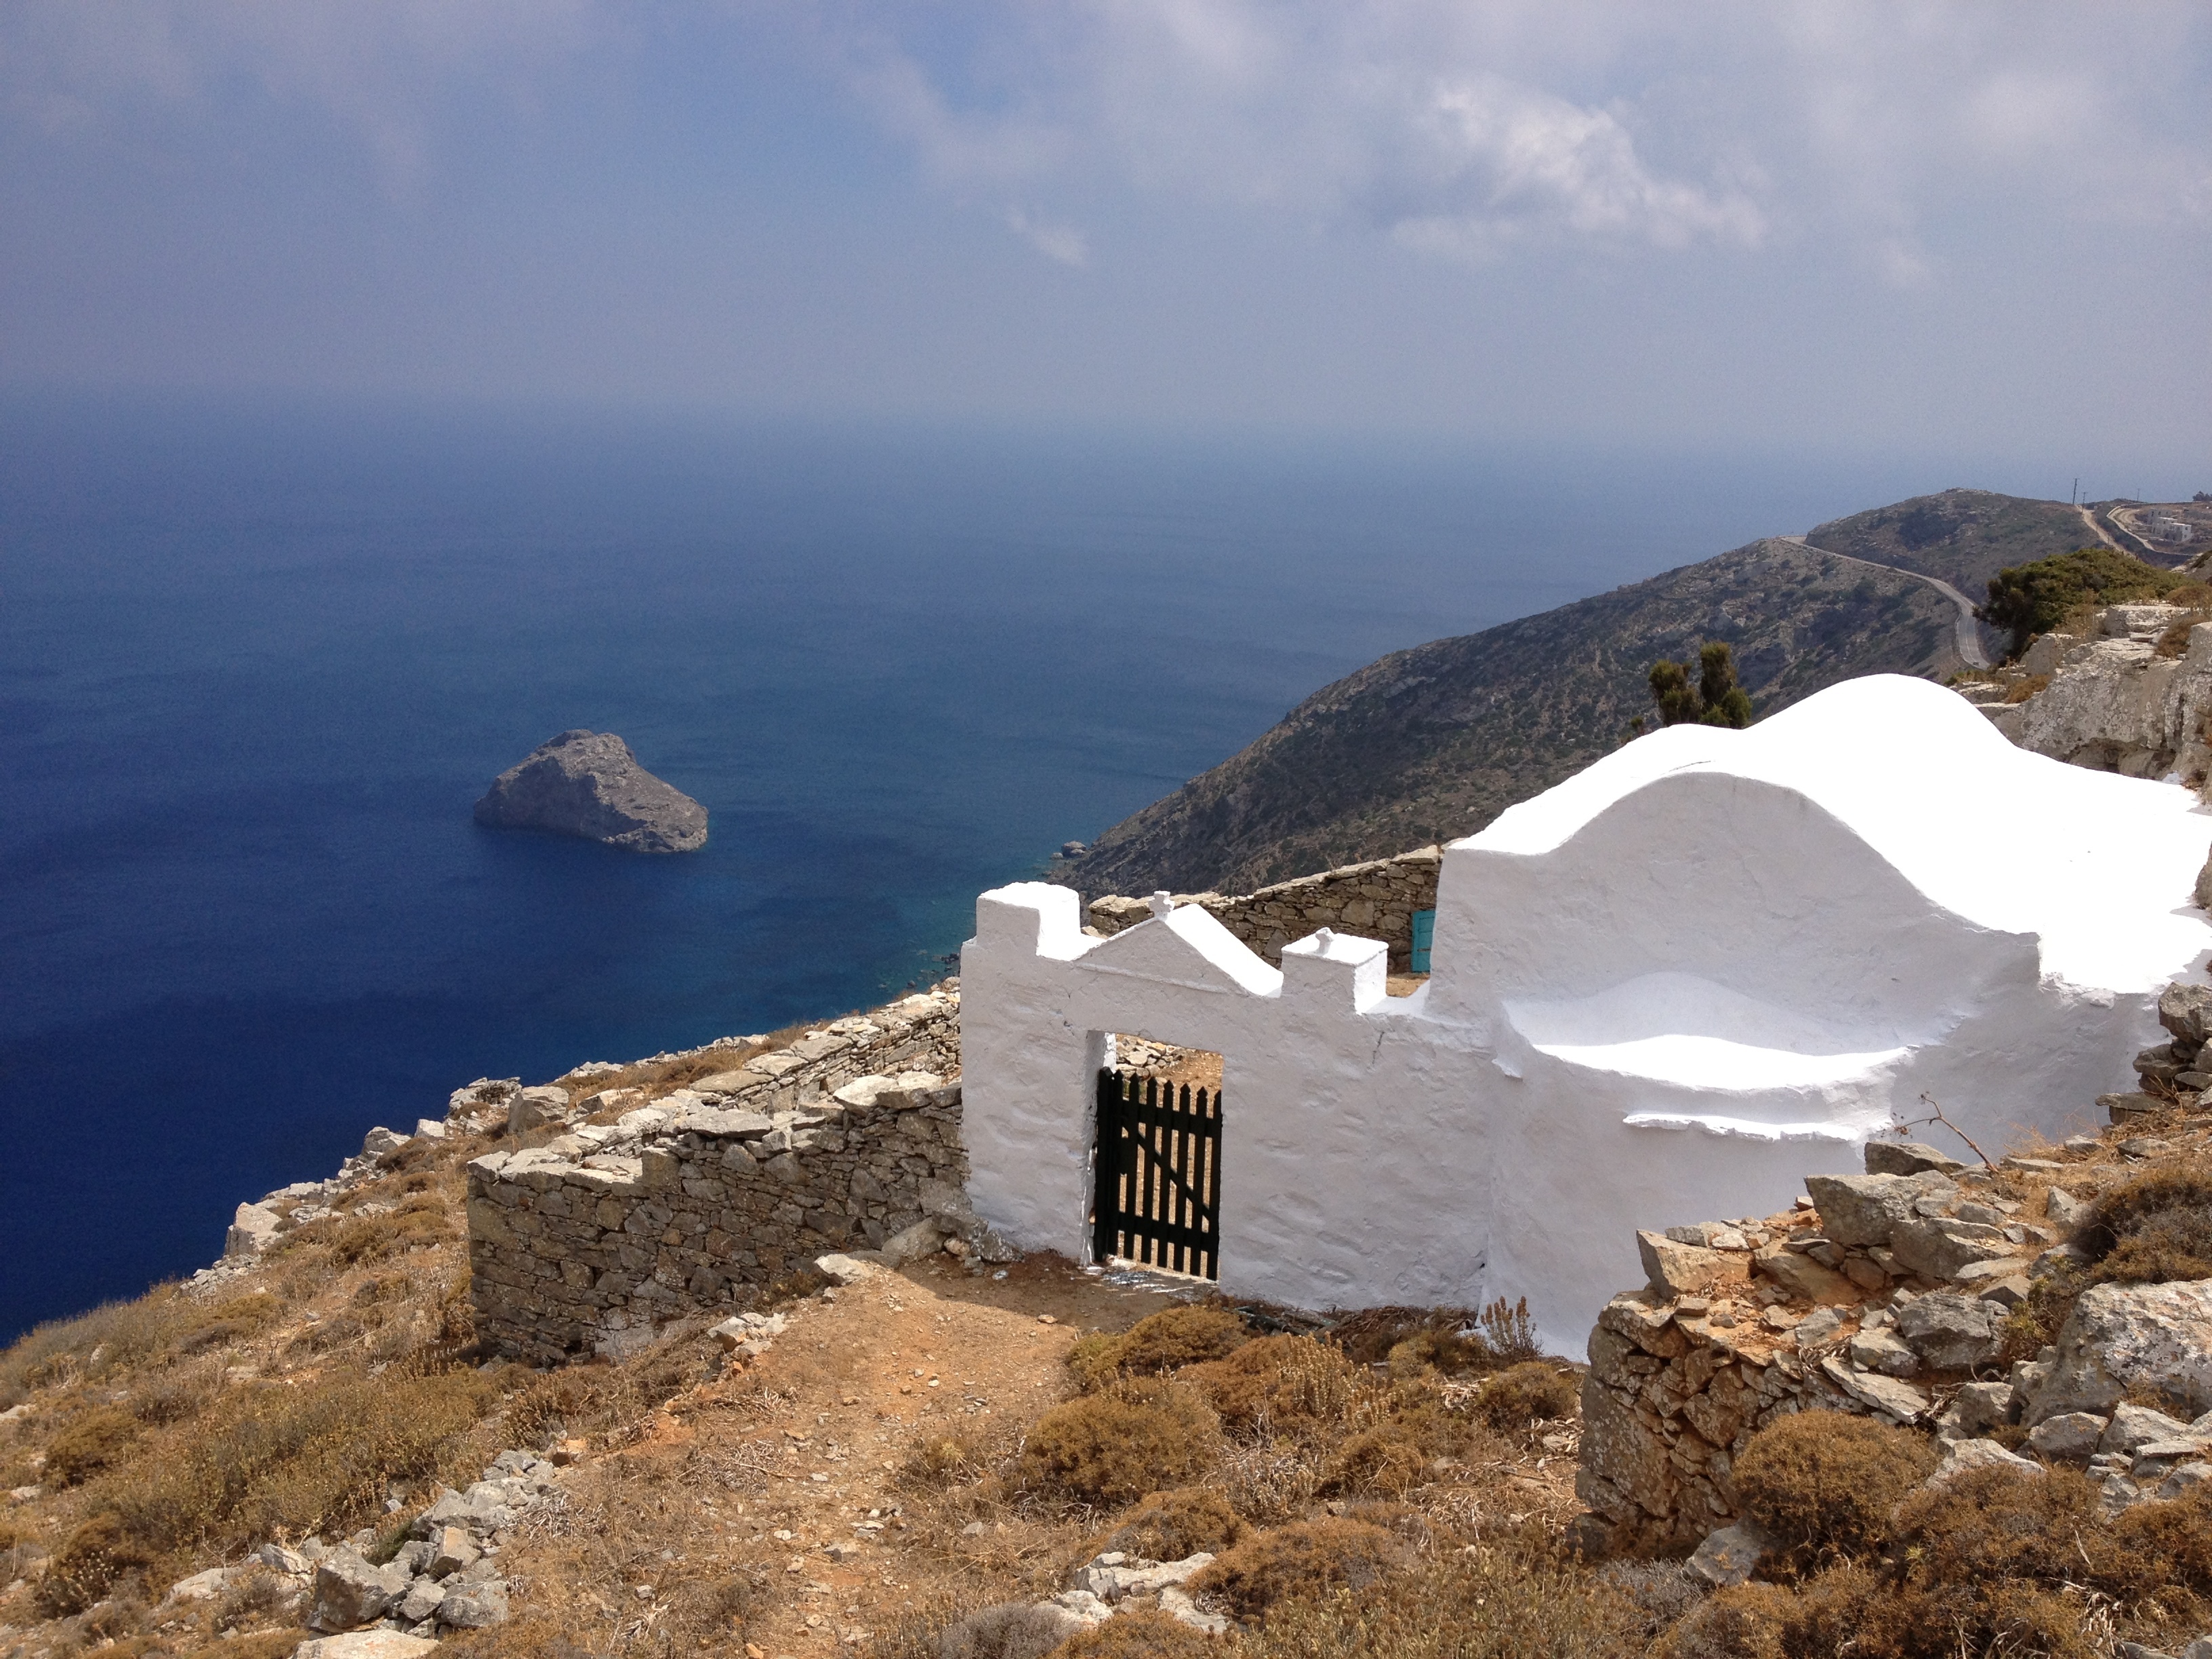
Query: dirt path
793,1475
2099,530
1969,632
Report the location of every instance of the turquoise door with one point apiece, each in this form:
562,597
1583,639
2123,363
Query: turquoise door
1424,931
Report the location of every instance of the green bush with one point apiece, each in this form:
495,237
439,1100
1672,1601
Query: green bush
1715,700
1111,1447
2034,598
1824,1483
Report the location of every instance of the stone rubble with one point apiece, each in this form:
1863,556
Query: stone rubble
445,1577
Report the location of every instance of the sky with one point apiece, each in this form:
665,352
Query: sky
1819,225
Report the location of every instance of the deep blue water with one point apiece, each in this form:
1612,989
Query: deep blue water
256,664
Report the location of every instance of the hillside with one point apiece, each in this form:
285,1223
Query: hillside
1963,537
1432,743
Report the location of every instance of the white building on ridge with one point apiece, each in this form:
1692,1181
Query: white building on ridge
1709,963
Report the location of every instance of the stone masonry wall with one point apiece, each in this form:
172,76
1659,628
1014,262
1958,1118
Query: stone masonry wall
1882,1295
845,1139
1375,900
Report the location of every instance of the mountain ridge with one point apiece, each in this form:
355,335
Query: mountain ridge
1432,743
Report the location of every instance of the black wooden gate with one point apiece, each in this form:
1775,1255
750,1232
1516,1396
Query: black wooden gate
1159,1175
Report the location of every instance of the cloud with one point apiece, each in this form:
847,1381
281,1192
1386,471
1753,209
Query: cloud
1061,242
379,69
1472,133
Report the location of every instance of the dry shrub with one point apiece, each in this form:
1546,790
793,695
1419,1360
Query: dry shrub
1169,1526
1310,1557
1291,1386
1743,1623
1452,1340
1824,1483
1984,1525
1420,1434
1012,1630
526,1636
99,1553
2154,1230
1995,1526
1111,1447
1535,1391
116,1336
289,1460
1368,1336
256,1597
350,1241
1141,1634
1515,1599
951,1457
1851,1609
1164,1341
94,1441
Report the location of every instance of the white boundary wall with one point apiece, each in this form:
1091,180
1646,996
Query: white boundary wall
1661,992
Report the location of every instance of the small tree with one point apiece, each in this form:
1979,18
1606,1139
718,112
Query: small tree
1714,699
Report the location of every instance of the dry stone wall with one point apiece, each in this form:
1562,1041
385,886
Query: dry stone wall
1888,1294
1882,1295
1375,900
848,1139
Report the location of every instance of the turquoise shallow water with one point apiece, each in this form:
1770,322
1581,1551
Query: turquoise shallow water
257,662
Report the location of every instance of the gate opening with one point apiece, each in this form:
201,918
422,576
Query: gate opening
1157,1164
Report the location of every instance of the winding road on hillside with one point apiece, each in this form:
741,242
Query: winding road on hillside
1971,651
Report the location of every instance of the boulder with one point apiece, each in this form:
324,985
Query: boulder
1729,1556
423,1599
1802,1276
1980,1407
2127,1340
2135,1427
200,1587
1884,1351
1938,1247
1675,1269
367,1644
2072,1436
1864,1210
381,1143
473,1606
1905,1158
1951,1333
2185,1010
350,1593
451,1550
1980,1455
542,1108
589,785
253,1230
1114,1575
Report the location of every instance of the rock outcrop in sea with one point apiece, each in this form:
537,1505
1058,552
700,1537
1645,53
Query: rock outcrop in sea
589,784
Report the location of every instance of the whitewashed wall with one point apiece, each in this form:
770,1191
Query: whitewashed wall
1709,965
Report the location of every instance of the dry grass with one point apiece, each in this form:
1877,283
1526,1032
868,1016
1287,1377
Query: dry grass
1143,1634
1533,1391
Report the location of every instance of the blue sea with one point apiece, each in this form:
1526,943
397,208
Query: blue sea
258,660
